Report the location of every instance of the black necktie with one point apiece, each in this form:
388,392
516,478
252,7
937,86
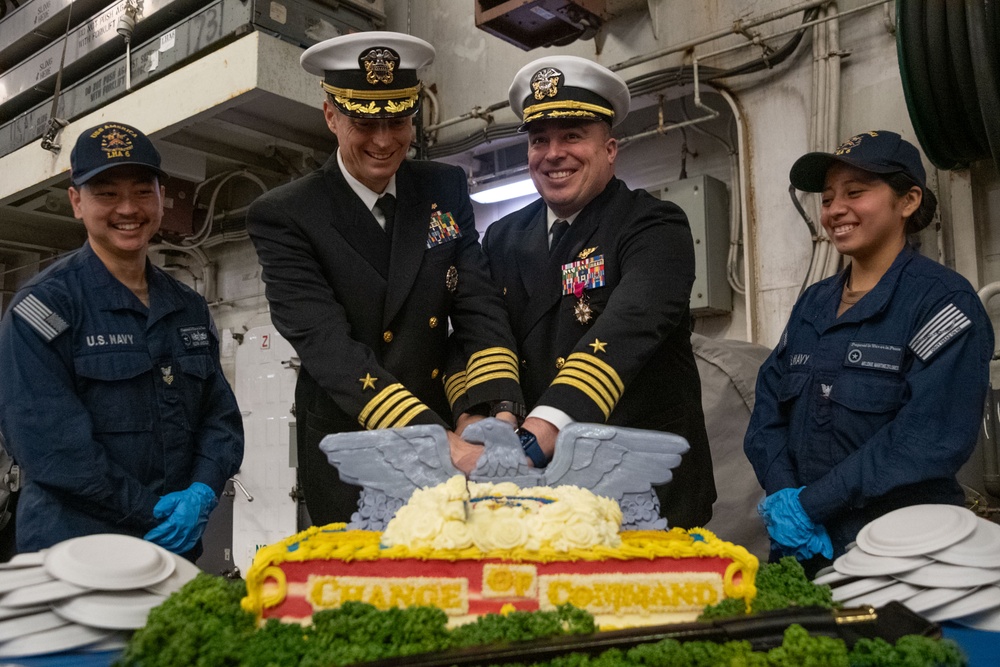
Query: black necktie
559,228
387,204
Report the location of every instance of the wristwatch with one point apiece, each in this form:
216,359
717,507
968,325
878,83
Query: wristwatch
517,409
529,443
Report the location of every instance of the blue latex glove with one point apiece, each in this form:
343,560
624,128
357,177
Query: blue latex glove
818,543
186,513
787,523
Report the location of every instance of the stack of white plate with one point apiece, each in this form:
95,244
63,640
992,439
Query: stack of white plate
941,561
84,592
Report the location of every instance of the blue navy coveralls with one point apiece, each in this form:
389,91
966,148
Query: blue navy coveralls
879,408
107,405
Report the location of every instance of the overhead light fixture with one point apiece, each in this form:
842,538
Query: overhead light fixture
502,190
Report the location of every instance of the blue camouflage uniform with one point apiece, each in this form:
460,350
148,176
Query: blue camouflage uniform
879,408
107,405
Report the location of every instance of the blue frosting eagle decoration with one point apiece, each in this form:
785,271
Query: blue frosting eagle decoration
612,461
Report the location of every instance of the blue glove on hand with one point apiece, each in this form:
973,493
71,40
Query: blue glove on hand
818,543
787,523
186,513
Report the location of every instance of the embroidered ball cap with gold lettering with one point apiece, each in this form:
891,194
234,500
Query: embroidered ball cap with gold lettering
111,145
370,74
568,88
878,151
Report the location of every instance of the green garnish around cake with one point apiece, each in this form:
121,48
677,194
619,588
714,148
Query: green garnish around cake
203,624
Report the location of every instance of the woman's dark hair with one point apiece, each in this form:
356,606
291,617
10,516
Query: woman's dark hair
900,183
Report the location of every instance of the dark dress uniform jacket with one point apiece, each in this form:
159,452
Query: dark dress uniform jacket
632,363
107,404
879,408
369,318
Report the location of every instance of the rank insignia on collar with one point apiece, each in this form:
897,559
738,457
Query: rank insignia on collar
545,83
451,279
442,229
586,252
379,64
168,374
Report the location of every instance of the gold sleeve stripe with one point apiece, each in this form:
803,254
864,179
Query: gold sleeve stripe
599,366
487,372
393,406
499,375
587,390
492,352
454,387
491,363
596,386
402,414
596,379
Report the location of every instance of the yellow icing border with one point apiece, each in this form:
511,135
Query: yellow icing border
363,545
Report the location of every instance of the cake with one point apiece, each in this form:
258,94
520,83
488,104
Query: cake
477,548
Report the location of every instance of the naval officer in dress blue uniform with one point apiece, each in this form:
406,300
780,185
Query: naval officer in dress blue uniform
597,282
366,261
873,397
113,401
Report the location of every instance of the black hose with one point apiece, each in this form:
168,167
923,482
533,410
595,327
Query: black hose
983,49
917,88
947,100
965,82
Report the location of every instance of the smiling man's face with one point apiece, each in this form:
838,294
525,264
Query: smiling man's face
372,149
570,162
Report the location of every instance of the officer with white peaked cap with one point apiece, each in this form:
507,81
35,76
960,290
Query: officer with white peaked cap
365,263
597,280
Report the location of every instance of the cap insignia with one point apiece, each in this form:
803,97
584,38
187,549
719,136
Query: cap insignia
116,144
379,64
853,142
545,82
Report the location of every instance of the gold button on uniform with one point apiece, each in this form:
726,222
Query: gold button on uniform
560,362
433,322
434,374
387,336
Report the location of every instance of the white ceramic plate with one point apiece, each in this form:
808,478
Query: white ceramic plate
980,549
11,580
828,576
943,575
111,610
52,641
860,587
41,593
14,612
898,591
935,597
184,571
30,559
985,620
12,628
109,562
986,598
916,530
857,563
